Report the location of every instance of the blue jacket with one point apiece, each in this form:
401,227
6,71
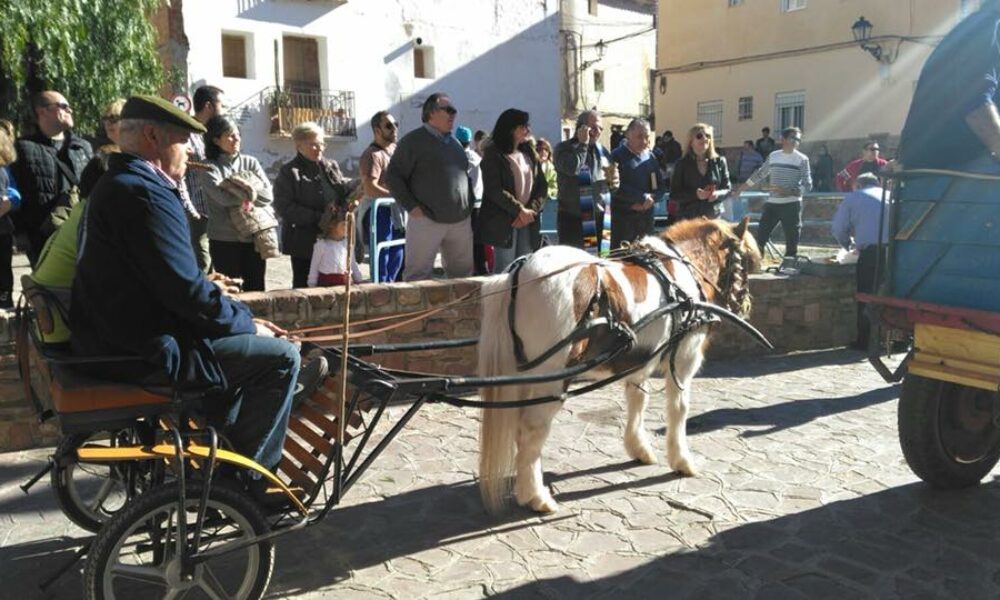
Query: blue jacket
138,290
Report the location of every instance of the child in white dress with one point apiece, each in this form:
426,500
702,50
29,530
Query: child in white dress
329,259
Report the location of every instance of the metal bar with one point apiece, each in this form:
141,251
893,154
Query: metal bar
369,349
371,425
203,503
353,477
201,557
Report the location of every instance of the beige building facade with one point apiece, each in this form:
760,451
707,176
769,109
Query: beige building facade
742,65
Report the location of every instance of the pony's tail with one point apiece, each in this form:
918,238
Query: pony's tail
498,430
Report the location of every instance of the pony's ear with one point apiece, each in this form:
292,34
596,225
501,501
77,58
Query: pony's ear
740,230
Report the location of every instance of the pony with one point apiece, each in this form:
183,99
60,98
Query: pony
708,260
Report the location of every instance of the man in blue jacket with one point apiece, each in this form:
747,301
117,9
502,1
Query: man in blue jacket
138,290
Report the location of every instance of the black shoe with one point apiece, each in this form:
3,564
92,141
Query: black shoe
6,300
310,378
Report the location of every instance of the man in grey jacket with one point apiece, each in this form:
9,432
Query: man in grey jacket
428,176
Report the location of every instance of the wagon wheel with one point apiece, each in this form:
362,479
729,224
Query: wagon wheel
949,433
136,555
90,494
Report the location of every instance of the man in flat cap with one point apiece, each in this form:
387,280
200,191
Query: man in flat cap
139,292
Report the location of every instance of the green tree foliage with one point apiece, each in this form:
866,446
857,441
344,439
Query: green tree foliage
92,51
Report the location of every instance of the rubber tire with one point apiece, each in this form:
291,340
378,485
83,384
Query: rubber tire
60,478
918,418
167,494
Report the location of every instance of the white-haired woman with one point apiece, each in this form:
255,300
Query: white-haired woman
304,187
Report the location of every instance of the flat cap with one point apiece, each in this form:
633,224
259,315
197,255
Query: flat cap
154,108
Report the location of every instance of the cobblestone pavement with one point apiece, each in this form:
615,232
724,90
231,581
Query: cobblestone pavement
803,493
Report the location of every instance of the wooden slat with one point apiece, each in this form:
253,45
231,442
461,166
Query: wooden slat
294,474
303,456
958,343
326,425
308,435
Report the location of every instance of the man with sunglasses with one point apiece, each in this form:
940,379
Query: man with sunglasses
870,162
48,169
429,178
389,222
788,175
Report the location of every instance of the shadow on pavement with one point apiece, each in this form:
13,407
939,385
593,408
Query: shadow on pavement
770,365
907,542
785,415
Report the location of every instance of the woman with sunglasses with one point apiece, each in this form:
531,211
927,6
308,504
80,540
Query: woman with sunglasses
514,190
108,137
701,177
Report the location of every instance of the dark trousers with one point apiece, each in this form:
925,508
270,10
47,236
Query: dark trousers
6,271
628,225
239,259
867,284
790,217
570,228
300,271
35,241
199,242
264,370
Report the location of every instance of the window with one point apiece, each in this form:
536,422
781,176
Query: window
598,80
789,110
710,113
423,62
234,55
745,108
592,7
790,5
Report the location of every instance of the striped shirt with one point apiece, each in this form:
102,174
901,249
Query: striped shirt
786,170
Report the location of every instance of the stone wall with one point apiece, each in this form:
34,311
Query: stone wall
795,313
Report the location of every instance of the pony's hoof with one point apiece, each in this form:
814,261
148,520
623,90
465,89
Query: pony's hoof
542,503
684,466
643,453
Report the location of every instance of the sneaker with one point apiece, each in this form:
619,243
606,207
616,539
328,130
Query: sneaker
310,377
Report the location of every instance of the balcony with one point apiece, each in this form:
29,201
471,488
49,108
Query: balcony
333,110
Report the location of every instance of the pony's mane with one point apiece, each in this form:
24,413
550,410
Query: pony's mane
694,229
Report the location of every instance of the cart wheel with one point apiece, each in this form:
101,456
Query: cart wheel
136,554
89,494
947,431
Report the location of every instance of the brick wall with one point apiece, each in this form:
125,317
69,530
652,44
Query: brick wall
795,313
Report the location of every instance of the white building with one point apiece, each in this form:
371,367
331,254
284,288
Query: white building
340,61
608,54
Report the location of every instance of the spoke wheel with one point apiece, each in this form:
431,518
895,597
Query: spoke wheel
90,494
948,432
138,553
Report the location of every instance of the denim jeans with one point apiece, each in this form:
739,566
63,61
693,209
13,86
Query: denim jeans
262,371
520,246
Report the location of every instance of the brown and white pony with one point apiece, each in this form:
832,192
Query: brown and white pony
557,284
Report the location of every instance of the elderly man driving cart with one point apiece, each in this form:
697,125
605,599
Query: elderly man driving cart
138,292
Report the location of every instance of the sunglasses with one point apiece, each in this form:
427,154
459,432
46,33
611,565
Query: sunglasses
60,105
702,136
111,119
794,139
451,110
390,125
874,148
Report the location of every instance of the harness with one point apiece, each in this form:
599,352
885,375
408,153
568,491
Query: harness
599,319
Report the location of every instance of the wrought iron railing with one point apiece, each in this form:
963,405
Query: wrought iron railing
333,110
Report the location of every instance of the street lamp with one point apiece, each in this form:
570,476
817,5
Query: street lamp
862,32
601,48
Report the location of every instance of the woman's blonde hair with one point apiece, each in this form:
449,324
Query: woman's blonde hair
695,130
114,108
7,152
304,131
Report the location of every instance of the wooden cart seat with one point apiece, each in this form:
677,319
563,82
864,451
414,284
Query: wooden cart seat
85,403
73,391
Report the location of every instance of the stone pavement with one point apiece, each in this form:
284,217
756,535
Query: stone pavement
803,493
